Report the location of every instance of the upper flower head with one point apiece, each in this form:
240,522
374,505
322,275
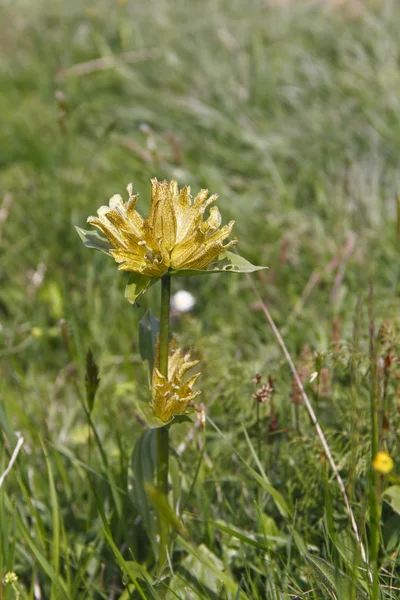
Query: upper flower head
175,235
172,396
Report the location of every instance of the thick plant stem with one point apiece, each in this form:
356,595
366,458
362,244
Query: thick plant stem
375,512
162,432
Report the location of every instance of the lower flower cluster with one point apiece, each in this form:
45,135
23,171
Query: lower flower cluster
173,394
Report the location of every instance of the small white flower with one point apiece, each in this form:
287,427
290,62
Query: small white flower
10,578
182,301
313,376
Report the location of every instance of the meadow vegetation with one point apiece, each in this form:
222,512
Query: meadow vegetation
291,114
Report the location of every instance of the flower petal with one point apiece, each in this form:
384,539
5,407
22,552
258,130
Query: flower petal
162,218
213,222
109,230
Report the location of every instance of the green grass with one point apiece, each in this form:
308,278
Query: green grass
291,114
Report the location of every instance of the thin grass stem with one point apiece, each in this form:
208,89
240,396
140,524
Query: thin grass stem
374,498
258,430
314,420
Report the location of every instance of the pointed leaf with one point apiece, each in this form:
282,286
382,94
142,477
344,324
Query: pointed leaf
177,419
139,571
191,574
145,411
41,560
324,574
392,496
137,285
243,536
263,480
55,510
125,565
92,239
228,262
334,581
92,380
202,558
143,469
165,512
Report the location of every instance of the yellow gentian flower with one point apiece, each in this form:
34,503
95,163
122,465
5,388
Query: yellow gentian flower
383,462
174,237
172,396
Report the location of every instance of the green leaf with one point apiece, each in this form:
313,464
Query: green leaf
228,262
334,581
208,567
125,565
263,480
139,571
143,467
55,511
202,581
149,326
392,496
242,536
175,476
177,419
5,425
145,411
41,559
93,239
137,285
164,510
391,533
324,574
92,380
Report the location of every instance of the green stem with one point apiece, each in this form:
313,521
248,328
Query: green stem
162,432
297,418
164,323
258,430
384,420
374,489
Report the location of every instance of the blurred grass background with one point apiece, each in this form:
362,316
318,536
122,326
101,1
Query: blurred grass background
290,113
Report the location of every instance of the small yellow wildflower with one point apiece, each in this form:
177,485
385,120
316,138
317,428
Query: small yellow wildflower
10,578
172,396
174,237
383,463
37,332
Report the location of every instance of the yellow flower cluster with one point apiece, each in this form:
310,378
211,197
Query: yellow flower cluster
172,395
174,237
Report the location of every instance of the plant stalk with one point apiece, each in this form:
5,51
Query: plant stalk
258,430
375,511
162,432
